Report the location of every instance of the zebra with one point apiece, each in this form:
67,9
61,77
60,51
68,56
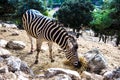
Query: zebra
46,29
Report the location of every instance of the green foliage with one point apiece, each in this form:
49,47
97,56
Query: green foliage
101,20
75,12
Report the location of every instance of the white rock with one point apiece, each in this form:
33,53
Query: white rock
18,45
8,76
90,76
9,25
3,43
15,33
54,71
4,52
21,76
13,63
0,25
63,77
96,61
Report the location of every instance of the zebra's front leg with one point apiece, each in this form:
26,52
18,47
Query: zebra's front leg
38,45
50,51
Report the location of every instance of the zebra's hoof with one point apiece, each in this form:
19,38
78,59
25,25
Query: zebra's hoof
36,62
52,60
31,52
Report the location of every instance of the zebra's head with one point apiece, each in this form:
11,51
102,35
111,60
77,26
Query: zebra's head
72,54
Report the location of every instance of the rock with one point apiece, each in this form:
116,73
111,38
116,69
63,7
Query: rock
3,69
61,74
8,76
3,30
3,43
24,68
0,25
15,33
112,75
21,76
13,63
17,45
1,59
63,77
4,53
96,61
6,25
90,76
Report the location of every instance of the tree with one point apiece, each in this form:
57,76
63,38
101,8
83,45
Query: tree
31,4
101,20
75,12
6,8
25,5
106,20
115,15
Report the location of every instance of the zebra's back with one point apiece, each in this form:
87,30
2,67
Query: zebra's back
34,22
38,25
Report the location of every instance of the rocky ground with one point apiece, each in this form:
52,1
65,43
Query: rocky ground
86,43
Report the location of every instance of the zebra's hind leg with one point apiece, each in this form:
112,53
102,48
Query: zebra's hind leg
50,51
38,45
31,42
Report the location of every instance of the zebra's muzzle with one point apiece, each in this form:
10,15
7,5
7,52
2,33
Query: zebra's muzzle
77,64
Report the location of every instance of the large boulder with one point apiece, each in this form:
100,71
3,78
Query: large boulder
17,45
15,64
60,74
96,61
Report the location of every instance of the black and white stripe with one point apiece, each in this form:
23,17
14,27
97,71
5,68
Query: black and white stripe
45,29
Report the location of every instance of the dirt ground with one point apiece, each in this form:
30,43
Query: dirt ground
86,43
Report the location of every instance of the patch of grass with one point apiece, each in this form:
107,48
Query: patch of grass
80,70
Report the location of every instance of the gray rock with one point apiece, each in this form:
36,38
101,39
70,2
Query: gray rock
112,75
13,63
4,53
24,68
3,43
1,59
96,61
17,45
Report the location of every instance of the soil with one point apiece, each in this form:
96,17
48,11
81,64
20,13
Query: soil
86,43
